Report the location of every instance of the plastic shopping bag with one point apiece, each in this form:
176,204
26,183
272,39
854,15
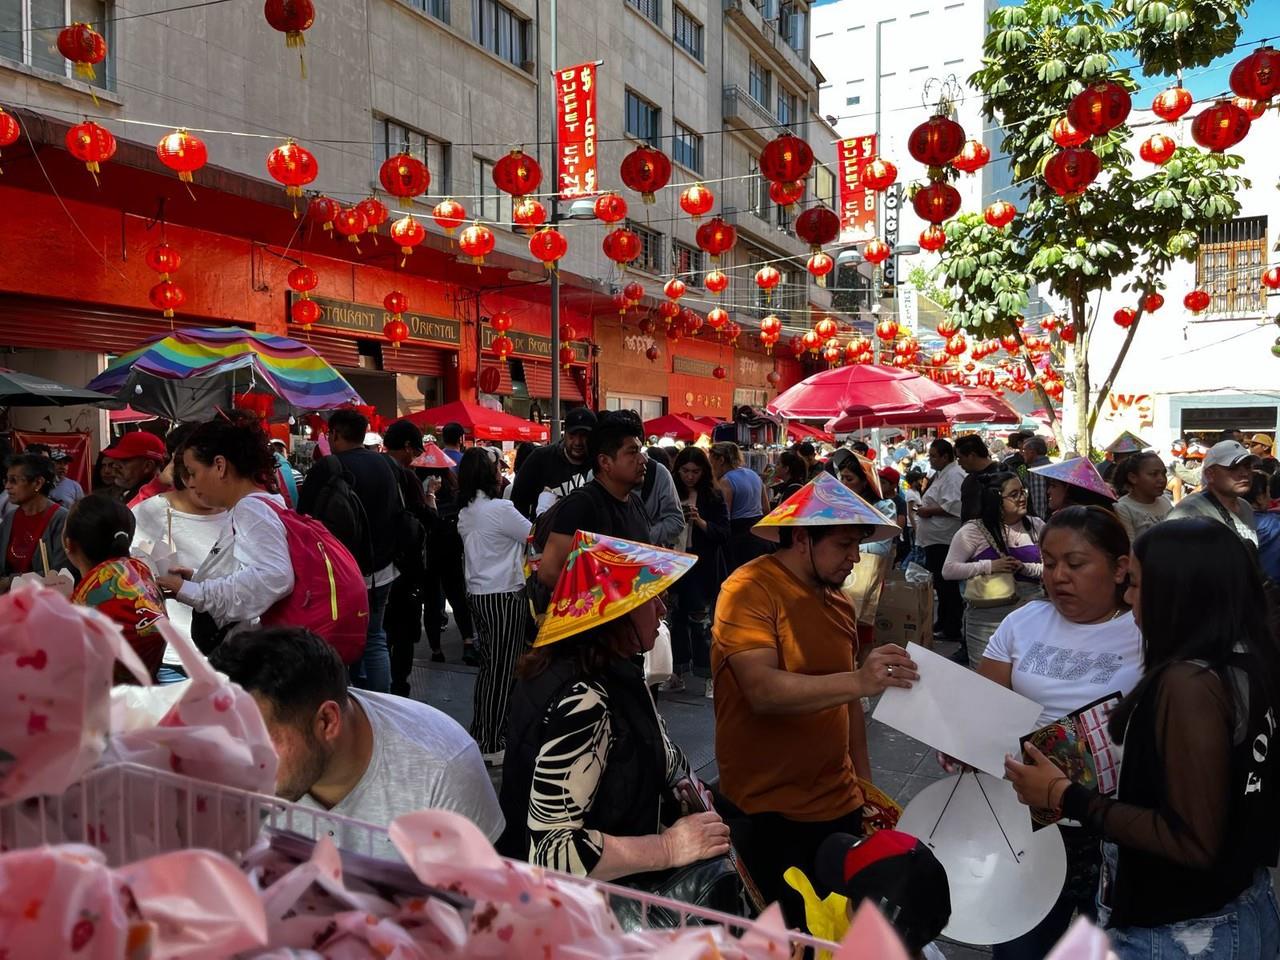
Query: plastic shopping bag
658,664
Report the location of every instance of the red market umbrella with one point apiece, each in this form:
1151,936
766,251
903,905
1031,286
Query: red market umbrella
862,390
802,431
675,426
480,422
432,458
709,422
902,417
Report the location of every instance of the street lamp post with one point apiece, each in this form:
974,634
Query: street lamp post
555,218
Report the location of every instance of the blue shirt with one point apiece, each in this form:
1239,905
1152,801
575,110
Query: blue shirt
1269,544
66,492
454,455
747,497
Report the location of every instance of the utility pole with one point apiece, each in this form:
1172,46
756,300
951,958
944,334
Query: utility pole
555,218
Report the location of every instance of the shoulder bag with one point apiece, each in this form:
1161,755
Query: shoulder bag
991,589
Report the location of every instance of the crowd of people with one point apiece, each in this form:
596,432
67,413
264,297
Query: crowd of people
1066,581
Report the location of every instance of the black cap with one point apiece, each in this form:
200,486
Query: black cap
897,873
579,419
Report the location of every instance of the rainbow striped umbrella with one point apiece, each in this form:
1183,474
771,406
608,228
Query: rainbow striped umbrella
191,373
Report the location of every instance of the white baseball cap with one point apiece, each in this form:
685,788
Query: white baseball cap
1228,453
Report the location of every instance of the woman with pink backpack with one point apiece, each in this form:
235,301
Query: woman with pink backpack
289,569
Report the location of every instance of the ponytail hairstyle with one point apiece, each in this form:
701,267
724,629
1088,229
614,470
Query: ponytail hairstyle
101,527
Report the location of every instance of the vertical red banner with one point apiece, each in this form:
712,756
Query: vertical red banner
857,204
576,131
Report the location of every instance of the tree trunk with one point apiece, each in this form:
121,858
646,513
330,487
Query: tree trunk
1105,389
1080,387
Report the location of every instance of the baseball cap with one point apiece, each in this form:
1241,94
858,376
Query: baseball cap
1261,439
579,419
897,873
1228,453
137,444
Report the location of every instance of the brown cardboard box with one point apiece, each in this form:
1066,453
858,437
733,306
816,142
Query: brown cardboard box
905,612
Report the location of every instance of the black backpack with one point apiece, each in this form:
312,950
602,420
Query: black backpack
411,534
329,495
539,595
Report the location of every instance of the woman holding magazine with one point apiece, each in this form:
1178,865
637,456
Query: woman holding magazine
1191,830
1079,646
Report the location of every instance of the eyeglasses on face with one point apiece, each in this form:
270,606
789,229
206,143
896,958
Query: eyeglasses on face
1017,495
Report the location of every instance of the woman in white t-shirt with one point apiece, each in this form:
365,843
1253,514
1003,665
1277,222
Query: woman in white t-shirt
1144,478
1080,646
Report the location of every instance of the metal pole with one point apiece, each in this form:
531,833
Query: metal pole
555,218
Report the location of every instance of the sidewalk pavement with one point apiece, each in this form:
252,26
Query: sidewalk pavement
901,767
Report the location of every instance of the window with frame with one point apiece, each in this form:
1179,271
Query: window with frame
29,33
759,82
650,259
651,9
688,263
643,119
793,25
392,137
432,8
687,32
686,147
501,31
824,185
757,191
1230,263
490,202
788,106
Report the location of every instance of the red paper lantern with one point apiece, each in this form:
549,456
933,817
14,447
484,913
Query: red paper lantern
1069,172
324,211
812,342
396,330
503,346
292,18
619,300
610,208
304,312
973,156
786,158
933,238
163,259
876,251
826,328
528,212
1010,342
879,175
9,129
167,296
696,201
408,233
716,237
404,176
567,356
1220,127
948,326
350,222
489,380
1197,301
92,145
646,325
732,332
548,245
1257,76
1150,304
690,321
719,372
1100,108
449,215
768,277
1000,214
1157,149
716,282
476,241
1172,103
936,202
668,310
634,292
183,153
819,265
831,353
1068,333
674,288
956,345
1271,278
259,404
500,321
1254,108
621,245
773,378
567,333
817,226
375,213
517,174
786,193
652,353
1065,135
936,141
646,171
293,166
83,46
1124,317
887,329
302,280
718,317
395,303
939,358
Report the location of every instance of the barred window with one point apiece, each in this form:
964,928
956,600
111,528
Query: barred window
649,8
29,32
757,191
643,119
1230,263
650,259
500,30
689,263
788,107
686,148
759,82
687,32
435,8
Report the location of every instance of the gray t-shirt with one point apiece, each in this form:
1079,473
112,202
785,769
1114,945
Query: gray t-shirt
1199,505
422,759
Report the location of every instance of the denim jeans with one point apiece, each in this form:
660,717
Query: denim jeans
1246,928
170,674
373,670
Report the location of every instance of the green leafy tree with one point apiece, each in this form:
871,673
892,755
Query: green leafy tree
1037,57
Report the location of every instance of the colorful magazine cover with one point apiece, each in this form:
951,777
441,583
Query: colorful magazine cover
1081,747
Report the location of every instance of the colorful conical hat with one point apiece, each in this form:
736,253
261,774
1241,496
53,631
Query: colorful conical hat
825,502
605,578
840,457
1078,472
1128,443
432,458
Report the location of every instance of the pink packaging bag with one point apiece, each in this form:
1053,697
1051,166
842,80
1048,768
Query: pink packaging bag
56,663
1083,941
63,901
871,937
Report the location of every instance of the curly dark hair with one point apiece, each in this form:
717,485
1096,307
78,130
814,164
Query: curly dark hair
291,667
239,439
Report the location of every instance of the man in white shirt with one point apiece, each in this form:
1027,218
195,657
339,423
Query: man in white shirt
937,521
364,755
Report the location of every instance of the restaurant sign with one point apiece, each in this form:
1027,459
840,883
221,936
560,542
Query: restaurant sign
366,319
529,345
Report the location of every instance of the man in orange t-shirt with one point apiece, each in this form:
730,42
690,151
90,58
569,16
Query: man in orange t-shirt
790,732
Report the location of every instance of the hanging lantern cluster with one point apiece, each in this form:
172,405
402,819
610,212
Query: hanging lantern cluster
517,174
1000,214
646,171
375,214
477,242
528,214
404,177
449,215
548,245
697,201
351,223
92,145
715,282
716,238
621,245
610,208
293,166
407,233
324,211
84,47
303,311
183,153
165,295
395,329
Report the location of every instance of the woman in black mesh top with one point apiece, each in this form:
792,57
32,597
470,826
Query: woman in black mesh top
1193,827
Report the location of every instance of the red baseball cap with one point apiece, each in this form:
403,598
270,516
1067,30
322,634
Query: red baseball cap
137,444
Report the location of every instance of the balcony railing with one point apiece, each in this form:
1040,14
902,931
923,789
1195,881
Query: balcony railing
743,110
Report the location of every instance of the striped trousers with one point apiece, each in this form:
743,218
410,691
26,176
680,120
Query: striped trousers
503,634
